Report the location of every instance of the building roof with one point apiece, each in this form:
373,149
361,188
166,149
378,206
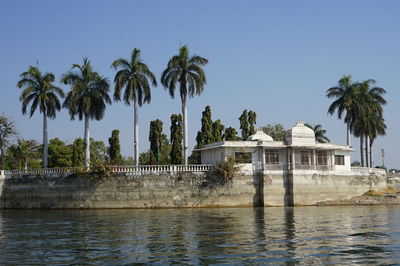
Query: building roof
300,134
260,135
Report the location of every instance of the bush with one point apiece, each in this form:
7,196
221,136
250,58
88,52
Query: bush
223,172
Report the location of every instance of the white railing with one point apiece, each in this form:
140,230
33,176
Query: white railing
141,169
194,168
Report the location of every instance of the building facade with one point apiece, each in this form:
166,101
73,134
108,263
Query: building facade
299,151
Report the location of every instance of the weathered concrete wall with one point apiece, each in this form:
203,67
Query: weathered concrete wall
185,190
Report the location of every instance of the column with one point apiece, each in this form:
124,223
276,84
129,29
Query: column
293,159
315,159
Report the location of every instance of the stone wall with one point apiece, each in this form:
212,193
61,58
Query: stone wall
182,190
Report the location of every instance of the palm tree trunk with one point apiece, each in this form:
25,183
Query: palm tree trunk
362,150
135,133
86,159
348,136
185,130
45,141
366,147
1,158
370,152
26,164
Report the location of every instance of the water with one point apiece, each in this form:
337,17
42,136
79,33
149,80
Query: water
301,235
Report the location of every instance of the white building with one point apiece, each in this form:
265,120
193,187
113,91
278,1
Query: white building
299,151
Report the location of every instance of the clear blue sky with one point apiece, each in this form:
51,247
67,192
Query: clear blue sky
274,57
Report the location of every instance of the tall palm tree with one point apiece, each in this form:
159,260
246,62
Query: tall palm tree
188,73
40,91
369,122
319,133
134,76
344,103
87,99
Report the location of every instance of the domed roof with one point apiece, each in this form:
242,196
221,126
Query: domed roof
260,135
300,134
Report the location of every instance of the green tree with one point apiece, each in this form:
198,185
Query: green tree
344,94
252,116
25,151
87,99
231,134
319,133
7,131
206,127
155,138
218,131
244,125
176,139
60,154
188,72
77,149
40,91
114,150
276,131
134,76
98,151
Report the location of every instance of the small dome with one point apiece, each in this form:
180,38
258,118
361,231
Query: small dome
260,135
300,134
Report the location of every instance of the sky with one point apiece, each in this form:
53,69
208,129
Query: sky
276,58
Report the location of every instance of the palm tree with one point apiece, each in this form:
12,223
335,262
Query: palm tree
87,99
40,91
344,103
369,122
135,77
188,73
25,151
319,133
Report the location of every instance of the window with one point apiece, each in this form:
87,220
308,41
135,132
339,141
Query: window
339,159
305,157
243,157
271,156
322,158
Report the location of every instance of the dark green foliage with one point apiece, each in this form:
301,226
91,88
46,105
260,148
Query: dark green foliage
176,139
247,123
206,127
244,125
40,92
114,150
276,131
60,154
77,152
195,157
89,92
252,121
319,133
7,131
156,138
218,131
134,76
231,134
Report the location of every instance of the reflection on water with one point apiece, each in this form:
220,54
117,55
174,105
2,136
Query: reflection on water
301,235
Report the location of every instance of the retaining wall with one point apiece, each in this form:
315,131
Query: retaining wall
181,190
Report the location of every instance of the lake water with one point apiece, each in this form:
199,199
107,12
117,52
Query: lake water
301,235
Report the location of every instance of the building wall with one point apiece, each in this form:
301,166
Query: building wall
347,161
274,188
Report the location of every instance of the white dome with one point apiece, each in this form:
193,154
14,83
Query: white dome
300,134
260,135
